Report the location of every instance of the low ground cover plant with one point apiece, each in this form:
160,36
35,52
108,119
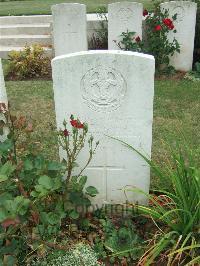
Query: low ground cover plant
31,62
80,254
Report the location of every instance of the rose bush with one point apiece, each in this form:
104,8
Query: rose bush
157,26
39,197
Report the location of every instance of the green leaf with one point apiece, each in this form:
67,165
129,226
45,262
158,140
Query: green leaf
57,183
3,215
3,178
91,191
50,218
28,165
5,196
82,182
53,218
85,223
6,146
40,191
54,166
34,194
10,261
7,169
46,182
76,198
74,215
39,162
44,217
22,204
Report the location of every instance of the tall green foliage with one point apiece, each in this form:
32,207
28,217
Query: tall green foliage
176,211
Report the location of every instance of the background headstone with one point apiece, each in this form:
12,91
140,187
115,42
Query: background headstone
123,16
3,99
185,26
113,92
69,28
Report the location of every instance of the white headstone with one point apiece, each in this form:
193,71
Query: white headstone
3,99
113,92
123,16
69,28
185,26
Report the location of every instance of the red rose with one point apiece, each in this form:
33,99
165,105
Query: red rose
137,39
76,124
145,12
169,23
171,27
65,132
157,28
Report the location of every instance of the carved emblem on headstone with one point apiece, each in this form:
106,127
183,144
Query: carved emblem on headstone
103,89
180,11
124,14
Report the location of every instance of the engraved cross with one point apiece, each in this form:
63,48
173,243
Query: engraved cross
105,166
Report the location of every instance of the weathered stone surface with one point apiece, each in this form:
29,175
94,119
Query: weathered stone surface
3,99
113,92
3,95
185,26
123,16
69,28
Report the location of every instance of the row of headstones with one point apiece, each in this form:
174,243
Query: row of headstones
113,92
70,27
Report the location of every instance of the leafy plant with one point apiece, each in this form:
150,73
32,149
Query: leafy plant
29,63
157,26
130,42
72,143
176,211
120,241
80,254
37,196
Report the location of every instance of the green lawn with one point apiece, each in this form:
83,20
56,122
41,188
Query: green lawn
176,111
44,6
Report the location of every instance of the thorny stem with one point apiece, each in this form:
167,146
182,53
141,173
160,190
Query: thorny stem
88,162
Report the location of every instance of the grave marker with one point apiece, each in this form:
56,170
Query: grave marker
113,92
123,16
185,26
69,28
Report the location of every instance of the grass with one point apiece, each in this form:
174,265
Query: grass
35,7
176,109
